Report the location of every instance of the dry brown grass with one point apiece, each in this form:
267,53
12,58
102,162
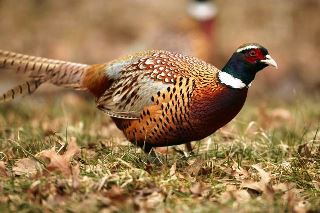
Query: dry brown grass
267,159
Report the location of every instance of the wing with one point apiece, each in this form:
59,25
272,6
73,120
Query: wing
138,79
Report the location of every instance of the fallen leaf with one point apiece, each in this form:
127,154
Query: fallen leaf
200,189
61,163
257,187
116,194
265,176
230,188
195,167
148,199
263,186
241,196
301,207
291,196
196,189
238,172
283,187
153,200
3,171
25,166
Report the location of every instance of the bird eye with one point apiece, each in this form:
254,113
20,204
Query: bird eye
252,53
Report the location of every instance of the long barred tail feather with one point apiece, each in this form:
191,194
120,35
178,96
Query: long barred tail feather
40,70
58,72
23,89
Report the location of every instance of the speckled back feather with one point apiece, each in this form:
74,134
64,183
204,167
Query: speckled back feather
149,73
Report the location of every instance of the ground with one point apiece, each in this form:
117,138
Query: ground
58,153
61,154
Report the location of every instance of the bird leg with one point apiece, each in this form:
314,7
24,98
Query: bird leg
189,147
187,152
152,155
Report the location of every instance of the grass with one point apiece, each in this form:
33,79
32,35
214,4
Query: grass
266,160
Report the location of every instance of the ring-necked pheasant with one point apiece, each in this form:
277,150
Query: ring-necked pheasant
157,98
204,12
193,34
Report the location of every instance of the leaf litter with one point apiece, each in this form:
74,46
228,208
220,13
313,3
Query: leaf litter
263,189
54,162
117,178
3,170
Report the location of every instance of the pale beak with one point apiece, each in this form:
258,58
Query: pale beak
270,61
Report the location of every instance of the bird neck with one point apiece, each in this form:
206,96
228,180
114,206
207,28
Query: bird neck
208,27
236,74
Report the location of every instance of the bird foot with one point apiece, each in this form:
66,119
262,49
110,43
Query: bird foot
184,153
154,158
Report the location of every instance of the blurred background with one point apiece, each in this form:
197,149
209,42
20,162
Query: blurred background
98,31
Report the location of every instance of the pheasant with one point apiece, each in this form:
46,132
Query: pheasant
157,98
204,12
193,34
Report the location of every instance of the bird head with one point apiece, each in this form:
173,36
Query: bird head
255,56
202,10
204,13
245,62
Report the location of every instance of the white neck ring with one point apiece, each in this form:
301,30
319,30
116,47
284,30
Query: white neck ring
231,81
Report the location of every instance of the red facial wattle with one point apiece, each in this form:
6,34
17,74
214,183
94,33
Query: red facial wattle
254,55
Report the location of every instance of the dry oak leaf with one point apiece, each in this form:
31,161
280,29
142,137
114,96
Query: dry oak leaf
148,199
291,196
25,166
61,163
195,167
263,186
241,196
199,189
237,172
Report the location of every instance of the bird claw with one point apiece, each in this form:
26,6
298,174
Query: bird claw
154,158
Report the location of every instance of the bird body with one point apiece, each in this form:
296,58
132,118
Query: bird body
157,98
171,101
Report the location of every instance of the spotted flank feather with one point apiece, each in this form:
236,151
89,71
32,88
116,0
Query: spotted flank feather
26,88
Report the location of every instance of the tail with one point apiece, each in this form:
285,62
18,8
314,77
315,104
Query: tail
40,70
